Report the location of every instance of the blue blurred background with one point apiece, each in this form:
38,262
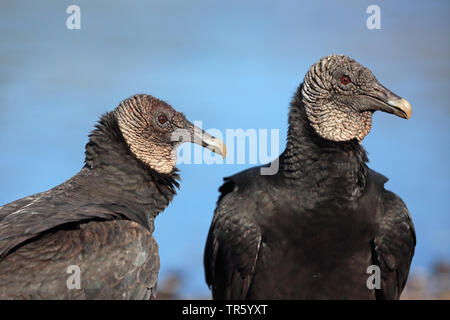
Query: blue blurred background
232,64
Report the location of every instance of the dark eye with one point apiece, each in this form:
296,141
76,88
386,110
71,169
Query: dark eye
162,118
345,79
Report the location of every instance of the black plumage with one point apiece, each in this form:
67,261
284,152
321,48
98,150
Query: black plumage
311,230
101,219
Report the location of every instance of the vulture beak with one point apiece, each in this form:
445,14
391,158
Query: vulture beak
385,100
209,142
401,108
198,136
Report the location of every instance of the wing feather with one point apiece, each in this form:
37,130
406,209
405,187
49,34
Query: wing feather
232,246
394,246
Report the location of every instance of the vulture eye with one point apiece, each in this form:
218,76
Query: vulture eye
345,79
162,118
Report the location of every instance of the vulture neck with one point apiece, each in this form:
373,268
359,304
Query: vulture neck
321,166
126,185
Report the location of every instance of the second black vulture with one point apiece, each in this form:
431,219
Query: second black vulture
319,227
99,223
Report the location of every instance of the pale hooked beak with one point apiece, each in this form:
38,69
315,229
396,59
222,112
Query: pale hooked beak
209,142
191,133
385,100
402,107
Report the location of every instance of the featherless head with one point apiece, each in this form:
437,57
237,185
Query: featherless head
153,130
340,96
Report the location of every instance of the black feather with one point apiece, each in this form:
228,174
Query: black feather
101,219
311,230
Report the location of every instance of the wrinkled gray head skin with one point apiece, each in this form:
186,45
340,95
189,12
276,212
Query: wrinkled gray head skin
153,130
340,96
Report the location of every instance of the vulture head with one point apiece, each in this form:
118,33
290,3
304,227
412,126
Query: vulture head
153,130
340,96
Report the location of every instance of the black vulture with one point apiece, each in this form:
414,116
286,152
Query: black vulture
98,225
321,225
